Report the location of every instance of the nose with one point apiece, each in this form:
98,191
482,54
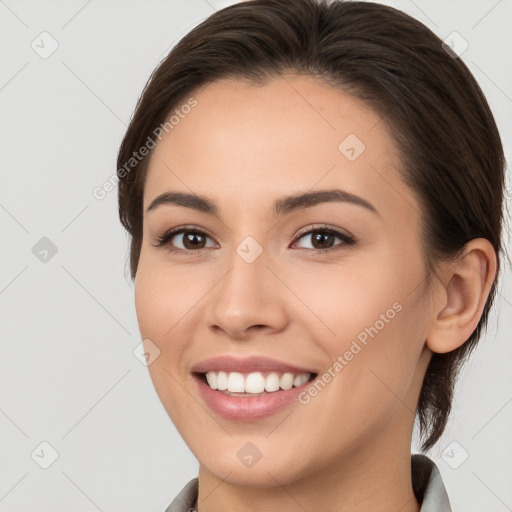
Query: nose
248,301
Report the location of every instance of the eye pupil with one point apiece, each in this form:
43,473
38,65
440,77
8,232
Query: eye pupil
323,239
191,238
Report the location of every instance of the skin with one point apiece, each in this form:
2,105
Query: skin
243,146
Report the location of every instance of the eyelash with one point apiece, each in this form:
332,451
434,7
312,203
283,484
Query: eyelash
165,238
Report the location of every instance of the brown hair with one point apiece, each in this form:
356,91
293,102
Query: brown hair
449,143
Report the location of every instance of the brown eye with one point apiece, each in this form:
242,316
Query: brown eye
193,240
182,239
323,239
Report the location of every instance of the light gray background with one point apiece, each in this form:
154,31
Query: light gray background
69,376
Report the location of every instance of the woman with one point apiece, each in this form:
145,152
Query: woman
314,197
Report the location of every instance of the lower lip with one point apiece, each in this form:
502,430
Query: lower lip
248,408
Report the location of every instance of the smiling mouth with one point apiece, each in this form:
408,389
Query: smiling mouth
253,384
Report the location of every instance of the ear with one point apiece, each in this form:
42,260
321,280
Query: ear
465,286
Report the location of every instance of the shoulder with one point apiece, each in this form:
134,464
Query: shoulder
428,485
186,498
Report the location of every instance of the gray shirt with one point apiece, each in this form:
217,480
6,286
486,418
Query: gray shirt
427,484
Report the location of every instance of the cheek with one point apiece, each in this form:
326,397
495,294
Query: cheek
167,300
351,297
163,295
160,310
161,315
372,313
150,304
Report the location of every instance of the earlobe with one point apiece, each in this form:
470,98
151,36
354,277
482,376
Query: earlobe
467,283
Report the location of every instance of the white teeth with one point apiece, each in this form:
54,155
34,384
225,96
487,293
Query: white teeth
222,380
211,377
272,382
236,383
300,379
255,382
286,381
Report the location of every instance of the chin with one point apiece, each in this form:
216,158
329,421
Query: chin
260,476
269,467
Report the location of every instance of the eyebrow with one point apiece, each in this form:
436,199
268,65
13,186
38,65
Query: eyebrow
282,206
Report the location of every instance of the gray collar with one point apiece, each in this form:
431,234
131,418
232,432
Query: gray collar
427,484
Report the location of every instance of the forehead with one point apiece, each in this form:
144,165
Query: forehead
294,133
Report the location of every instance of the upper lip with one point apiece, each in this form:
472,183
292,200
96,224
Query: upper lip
246,365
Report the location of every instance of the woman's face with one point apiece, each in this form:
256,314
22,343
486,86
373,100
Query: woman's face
260,280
